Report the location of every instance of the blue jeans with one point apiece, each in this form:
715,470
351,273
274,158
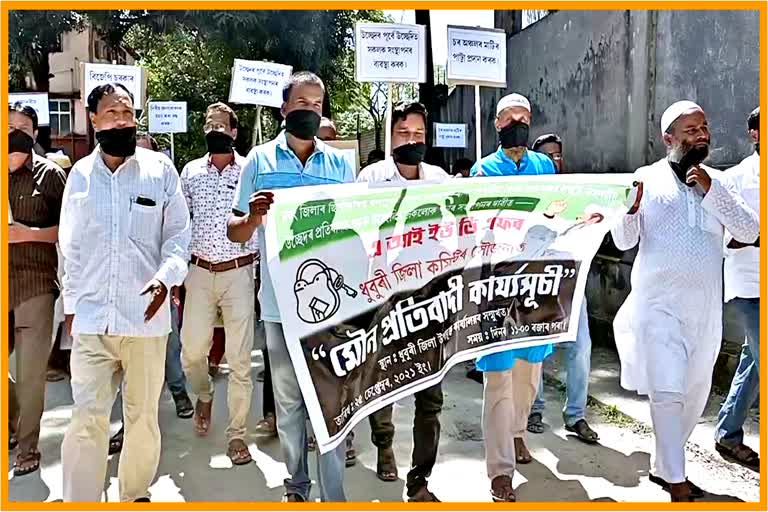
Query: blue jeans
292,427
746,382
174,375
577,368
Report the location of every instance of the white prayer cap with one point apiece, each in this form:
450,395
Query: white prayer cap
513,100
676,110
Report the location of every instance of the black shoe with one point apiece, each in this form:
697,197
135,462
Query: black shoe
184,407
260,376
696,491
141,500
475,375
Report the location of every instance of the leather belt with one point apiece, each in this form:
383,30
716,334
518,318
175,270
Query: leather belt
224,265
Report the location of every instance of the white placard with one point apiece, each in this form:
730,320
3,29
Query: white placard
351,151
167,117
36,100
449,135
258,83
129,76
389,52
477,56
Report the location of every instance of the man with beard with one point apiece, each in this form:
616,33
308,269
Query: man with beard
295,158
668,331
511,377
409,130
742,289
35,189
124,236
220,276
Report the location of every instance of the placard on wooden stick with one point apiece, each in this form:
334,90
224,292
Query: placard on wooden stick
258,83
132,77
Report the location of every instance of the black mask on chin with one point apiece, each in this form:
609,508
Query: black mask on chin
514,135
302,124
694,156
20,142
219,143
410,154
118,141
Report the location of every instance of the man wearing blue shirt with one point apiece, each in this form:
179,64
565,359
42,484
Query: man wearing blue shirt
295,158
511,378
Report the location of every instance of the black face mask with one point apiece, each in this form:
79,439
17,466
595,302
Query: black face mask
693,157
302,124
410,154
118,141
219,143
514,135
20,142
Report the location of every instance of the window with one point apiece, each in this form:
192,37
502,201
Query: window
61,117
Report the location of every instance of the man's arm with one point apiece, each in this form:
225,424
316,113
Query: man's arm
176,234
626,233
70,235
249,206
723,201
21,233
53,190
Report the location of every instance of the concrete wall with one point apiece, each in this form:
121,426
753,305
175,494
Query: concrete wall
601,79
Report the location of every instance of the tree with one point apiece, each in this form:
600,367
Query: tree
32,37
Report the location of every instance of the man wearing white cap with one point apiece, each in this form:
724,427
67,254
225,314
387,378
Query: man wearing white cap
511,377
668,331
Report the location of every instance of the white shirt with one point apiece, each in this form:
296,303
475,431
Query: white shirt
386,170
113,245
209,194
668,331
742,266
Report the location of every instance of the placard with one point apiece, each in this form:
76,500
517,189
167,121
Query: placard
36,100
477,56
389,52
450,135
258,83
132,77
351,151
167,117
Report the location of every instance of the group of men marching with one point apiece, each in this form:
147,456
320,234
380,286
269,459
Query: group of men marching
132,231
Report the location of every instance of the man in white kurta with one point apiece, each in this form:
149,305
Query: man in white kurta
668,332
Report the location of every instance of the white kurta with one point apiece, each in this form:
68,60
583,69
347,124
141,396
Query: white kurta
668,332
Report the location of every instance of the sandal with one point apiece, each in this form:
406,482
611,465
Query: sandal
203,417
32,456
311,444
386,468
55,375
502,490
12,442
583,432
535,423
116,442
522,455
423,495
351,455
740,454
238,452
696,491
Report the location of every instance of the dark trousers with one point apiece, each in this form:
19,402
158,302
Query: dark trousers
426,435
268,396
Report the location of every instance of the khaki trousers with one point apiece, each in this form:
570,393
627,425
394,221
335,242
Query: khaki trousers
98,364
31,340
507,399
232,292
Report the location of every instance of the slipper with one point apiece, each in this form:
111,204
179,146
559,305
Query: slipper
311,444
522,455
696,491
32,456
116,442
583,432
203,417
386,468
423,495
238,452
502,490
12,442
350,457
740,454
535,423
55,375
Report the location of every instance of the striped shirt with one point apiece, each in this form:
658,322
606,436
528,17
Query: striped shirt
119,230
34,192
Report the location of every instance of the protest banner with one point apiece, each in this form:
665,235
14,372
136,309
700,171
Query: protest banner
477,56
132,77
382,289
167,116
36,100
258,83
390,52
351,151
450,135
